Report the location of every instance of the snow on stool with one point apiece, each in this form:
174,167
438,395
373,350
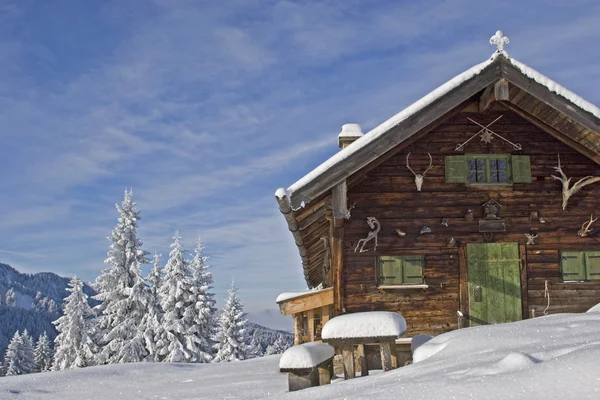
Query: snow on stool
307,365
362,328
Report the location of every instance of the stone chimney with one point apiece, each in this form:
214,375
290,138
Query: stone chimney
349,133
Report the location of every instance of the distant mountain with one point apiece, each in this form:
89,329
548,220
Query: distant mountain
261,338
273,319
39,298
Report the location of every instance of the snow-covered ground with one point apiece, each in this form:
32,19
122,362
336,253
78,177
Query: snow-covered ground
553,357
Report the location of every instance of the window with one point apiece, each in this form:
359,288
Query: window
580,265
400,270
488,169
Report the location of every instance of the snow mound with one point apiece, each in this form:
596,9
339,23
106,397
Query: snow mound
418,340
365,325
596,308
306,355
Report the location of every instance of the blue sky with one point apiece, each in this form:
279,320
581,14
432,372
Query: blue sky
206,108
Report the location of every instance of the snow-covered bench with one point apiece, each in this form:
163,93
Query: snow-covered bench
307,365
358,329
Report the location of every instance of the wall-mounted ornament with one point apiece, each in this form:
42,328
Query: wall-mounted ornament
531,237
425,229
486,136
492,221
400,232
542,220
585,227
445,221
372,235
469,215
567,191
419,177
534,216
451,242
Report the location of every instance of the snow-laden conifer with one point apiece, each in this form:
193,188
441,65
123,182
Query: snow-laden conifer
74,347
179,341
205,303
279,346
28,360
122,291
12,359
43,354
232,337
11,298
151,325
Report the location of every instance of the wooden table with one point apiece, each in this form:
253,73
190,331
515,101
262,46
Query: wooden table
387,346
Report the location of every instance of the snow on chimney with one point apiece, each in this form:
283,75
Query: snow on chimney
349,133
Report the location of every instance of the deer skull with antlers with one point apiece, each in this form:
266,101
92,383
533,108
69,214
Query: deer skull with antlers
585,227
569,190
419,177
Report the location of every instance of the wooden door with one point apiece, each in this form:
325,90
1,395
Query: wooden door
494,283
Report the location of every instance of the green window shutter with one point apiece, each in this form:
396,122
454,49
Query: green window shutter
521,169
456,169
572,266
592,265
390,270
412,269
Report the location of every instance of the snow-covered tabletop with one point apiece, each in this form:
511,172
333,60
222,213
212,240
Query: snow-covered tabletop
370,325
307,355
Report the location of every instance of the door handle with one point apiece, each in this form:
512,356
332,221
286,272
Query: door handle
477,294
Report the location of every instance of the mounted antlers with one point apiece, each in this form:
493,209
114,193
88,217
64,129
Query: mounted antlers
585,227
419,177
567,191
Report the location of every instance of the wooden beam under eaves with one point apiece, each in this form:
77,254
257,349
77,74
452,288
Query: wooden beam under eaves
493,93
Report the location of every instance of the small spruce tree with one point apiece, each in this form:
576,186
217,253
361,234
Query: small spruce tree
74,347
232,337
43,354
11,298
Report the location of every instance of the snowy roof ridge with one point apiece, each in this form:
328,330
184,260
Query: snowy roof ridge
428,99
379,130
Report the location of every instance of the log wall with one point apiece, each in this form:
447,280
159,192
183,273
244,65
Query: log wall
388,193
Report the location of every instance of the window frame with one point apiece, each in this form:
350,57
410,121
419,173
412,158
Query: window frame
583,269
403,284
487,170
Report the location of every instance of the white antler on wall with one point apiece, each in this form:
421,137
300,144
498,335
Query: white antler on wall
585,227
567,191
375,226
419,177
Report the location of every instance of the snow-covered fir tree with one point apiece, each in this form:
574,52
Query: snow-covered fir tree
231,339
205,303
254,349
123,292
278,347
74,347
43,354
179,342
19,358
11,298
151,325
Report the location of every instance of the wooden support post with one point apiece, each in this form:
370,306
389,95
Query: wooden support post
364,369
324,315
325,370
497,92
310,315
298,328
303,379
394,351
386,356
348,360
339,209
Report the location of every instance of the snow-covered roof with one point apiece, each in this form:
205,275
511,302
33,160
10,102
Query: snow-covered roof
370,324
307,355
292,295
379,131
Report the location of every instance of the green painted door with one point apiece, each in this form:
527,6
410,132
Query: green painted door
494,283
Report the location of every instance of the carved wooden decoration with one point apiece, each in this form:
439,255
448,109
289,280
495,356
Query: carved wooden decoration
585,227
419,177
492,221
531,237
372,235
567,191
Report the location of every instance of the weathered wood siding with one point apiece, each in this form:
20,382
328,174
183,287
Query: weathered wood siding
388,193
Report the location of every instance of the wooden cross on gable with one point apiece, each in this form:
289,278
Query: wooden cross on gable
499,40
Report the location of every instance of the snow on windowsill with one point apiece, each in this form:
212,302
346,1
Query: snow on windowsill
390,287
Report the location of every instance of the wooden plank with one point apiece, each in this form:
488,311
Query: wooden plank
310,315
496,92
394,351
364,369
464,281
306,302
348,361
523,278
386,356
337,267
298,327
512,282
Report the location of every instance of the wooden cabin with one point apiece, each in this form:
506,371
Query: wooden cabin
499,229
